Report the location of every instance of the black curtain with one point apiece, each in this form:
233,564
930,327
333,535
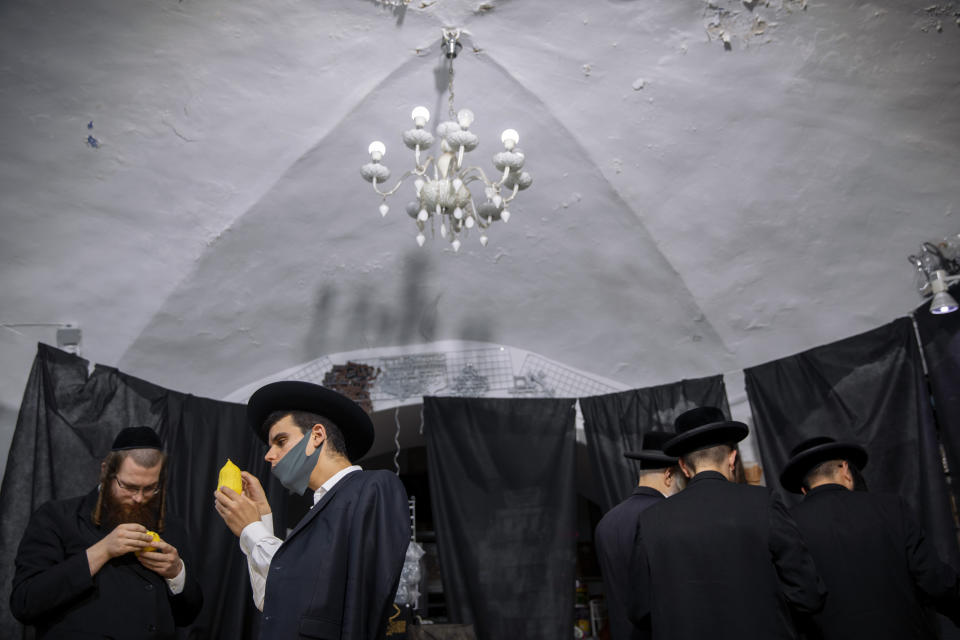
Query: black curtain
940,336
616,422
68,420
869,388
504,502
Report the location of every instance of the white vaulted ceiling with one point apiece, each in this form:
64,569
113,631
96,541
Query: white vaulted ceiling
695,209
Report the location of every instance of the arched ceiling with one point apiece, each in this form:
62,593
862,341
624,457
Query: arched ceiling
696,207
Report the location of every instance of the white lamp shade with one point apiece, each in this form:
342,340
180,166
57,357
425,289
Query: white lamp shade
943,302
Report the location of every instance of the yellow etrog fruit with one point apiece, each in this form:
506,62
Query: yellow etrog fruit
230,477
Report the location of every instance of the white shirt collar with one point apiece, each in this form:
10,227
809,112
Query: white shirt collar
332,480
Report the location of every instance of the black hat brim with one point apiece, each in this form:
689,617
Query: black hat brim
295,395
708,435
799,465
651,458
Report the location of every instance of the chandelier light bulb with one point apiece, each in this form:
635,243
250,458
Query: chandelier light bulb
469,222
510,138
421,116
465,118
421,239
423,215
458,213
377,150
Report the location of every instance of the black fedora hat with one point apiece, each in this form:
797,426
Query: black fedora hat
296,395
652,455
703,427
812,452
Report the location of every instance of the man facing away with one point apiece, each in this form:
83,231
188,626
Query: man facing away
720,560
879,567
336,574
83,568
659,477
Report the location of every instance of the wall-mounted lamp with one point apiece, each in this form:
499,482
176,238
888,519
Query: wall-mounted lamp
938,267
942,301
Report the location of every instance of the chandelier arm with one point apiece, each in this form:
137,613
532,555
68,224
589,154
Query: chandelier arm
467,176
392,191
513,195
482,176
422,171
506,174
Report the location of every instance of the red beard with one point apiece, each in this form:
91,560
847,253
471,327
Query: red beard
114,512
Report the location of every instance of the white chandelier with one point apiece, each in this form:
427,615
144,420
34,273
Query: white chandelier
443,196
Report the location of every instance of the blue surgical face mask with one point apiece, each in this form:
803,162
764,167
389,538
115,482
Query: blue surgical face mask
294,469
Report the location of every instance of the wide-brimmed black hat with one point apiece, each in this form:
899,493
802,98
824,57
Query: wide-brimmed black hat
652,455
296,395
136,438
813,451
703,427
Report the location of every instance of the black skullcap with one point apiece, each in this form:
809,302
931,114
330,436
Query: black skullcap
136,438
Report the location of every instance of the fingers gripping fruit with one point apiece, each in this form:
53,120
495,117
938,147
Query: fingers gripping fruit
155,536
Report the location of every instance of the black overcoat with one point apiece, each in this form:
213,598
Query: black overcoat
336,574
877,564
614,539
722,560
54,591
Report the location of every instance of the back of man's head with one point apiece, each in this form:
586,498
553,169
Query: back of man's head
666,480
711,458
839,471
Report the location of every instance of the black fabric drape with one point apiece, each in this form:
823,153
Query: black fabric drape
940,336
869,388
66,424
503,496
616,422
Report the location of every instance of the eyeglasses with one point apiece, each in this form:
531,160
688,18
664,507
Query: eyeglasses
152,490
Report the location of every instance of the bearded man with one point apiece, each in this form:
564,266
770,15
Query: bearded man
87,566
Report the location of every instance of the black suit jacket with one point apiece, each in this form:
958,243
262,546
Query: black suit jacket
722,560
614,539
877,564
53,588
336,574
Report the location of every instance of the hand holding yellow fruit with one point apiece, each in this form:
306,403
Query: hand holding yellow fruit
155,536
230,477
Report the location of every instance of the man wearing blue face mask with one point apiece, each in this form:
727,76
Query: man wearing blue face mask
336,574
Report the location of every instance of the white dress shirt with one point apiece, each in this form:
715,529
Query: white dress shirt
177,583
260,545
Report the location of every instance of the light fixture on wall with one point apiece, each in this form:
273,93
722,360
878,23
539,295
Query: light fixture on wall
443,197
938,266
